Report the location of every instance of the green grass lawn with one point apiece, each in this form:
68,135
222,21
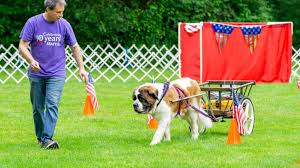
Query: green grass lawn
118,137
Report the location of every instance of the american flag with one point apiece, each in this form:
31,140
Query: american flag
251,34
222,31
239,114
90,89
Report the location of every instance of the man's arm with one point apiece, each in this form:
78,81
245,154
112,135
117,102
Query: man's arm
78,57
23,48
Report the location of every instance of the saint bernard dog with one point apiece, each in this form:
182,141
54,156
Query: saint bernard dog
158,99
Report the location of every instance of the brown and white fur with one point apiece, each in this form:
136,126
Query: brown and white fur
146,98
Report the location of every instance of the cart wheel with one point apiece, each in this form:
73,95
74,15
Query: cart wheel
249,111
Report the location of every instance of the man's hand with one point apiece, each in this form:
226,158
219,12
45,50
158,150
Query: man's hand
78,57
35,66
23,48
83,75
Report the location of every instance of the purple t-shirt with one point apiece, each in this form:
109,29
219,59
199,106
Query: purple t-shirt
47,43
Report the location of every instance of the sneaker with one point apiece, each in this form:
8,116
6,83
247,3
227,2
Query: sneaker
50,144
56,145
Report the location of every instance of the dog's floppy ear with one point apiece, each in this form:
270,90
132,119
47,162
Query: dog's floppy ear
153,93
149,91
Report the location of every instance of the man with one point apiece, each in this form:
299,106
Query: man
47,33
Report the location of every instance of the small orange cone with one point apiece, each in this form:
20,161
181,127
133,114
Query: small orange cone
233,133
88,106
153,123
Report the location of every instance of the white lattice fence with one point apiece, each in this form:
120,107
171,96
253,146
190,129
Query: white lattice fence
109,63
295,64
114,63
12,65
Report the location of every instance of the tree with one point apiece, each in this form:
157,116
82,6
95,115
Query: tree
128,22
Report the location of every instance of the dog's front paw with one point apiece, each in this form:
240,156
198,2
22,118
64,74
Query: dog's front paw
195,136
167,139
154,143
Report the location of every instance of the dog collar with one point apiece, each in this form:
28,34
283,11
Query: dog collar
166,87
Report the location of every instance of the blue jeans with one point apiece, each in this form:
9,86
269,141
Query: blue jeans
45,94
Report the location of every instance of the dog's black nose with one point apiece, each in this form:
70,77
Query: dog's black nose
135,106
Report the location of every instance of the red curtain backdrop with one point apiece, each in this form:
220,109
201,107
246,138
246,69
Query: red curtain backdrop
269,62
190,53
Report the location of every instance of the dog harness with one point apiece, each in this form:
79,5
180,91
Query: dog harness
165,89
178,90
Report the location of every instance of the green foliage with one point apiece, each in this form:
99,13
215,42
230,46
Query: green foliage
149,22
288,11
13,15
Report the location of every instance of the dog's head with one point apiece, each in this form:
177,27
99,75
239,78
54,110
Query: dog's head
144,98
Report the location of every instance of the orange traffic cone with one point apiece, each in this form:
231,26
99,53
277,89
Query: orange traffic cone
88,106
153,123
233,133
